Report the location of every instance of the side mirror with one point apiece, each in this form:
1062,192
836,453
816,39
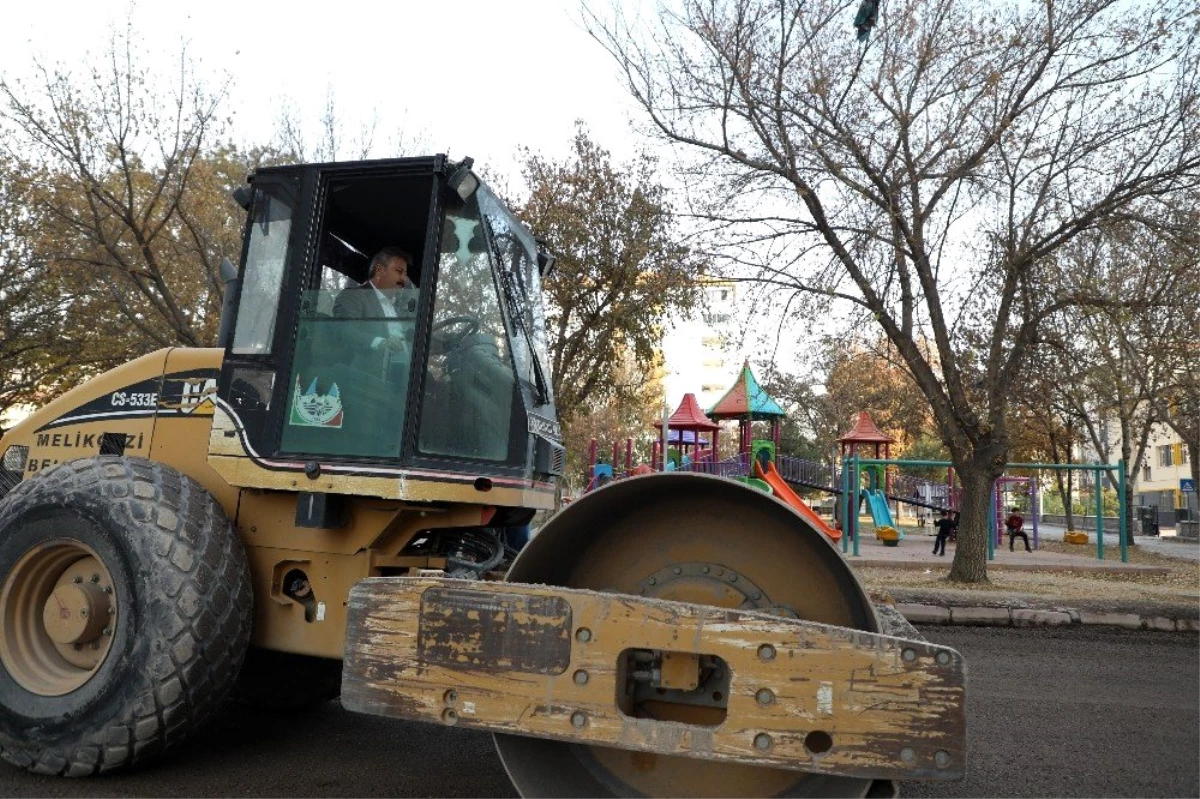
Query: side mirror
229,275
546,263
242,196
228,270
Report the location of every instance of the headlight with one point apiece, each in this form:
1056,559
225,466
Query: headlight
15,457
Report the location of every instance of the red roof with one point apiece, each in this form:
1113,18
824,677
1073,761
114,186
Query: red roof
866,432
688,416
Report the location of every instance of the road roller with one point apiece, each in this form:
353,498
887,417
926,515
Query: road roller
335,501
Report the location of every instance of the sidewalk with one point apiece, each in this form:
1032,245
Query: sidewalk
916,552
1071,589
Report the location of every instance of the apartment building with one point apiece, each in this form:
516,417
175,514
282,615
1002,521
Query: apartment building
1166,475
702,352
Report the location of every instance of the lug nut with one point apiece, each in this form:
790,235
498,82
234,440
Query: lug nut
77,579
943,658
907,755
581,677
762,742
583,635
450,697
766,652
578,719
449,717
95,578
941,758
108,589
765,696
909,655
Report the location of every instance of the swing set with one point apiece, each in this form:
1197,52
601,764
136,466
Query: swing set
851,476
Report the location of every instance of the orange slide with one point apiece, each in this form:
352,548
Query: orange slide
785,492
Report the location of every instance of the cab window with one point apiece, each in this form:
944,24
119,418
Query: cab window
470,384
266,255
353,358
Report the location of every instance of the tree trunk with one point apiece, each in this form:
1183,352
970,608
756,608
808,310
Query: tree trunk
1131,520
970,553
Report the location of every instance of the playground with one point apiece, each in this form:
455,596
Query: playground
877,512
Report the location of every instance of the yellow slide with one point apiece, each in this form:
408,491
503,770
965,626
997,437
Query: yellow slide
785,492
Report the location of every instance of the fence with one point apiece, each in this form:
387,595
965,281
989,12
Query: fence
1084,522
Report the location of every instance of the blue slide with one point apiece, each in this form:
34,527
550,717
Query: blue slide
880,514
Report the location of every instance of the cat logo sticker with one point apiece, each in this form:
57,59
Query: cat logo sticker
186,396
197,397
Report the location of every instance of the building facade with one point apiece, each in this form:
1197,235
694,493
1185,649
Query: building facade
1165,476
702,352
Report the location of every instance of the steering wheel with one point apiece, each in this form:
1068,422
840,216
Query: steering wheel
445,340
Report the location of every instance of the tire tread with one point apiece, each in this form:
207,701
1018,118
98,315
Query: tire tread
199,598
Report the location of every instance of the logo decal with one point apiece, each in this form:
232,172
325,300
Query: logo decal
196,396
312,409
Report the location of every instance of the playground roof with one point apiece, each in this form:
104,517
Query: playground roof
746,399
865,431
688,416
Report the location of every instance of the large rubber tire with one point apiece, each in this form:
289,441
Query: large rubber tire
180,596
281,681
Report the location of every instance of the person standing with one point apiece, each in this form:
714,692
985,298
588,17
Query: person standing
944,525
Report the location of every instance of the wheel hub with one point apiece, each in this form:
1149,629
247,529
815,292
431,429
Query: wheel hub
58,612
705,584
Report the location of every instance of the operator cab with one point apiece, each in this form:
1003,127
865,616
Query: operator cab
446,374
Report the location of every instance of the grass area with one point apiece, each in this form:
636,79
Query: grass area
1181,583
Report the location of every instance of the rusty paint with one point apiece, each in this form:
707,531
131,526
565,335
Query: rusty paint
473,629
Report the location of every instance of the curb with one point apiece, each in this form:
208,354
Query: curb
980,616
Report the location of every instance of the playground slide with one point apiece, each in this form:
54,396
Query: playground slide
785,492
880,513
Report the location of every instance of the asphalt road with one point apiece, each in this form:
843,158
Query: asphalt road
1086,712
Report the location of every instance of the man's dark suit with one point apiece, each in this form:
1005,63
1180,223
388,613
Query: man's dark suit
364,303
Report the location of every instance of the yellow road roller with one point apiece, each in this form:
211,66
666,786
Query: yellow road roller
330,502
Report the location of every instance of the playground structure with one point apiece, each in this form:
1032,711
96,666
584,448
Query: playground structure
696,436
1000,505
852,471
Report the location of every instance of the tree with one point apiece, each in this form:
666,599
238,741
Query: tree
127,202
866,376
928,178
638,419
35,355
621,268
1114,365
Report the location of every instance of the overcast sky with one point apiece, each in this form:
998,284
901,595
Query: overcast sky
474,77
